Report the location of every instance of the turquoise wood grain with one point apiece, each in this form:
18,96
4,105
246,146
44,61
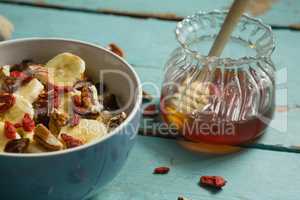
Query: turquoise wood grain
251,174
283,12
147,44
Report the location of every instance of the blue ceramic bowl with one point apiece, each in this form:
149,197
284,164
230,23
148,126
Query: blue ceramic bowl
78,173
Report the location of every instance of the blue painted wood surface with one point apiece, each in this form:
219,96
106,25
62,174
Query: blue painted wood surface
148,52
251,174
283,12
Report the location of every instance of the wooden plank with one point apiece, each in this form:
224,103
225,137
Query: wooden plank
147,44
283,12
251,174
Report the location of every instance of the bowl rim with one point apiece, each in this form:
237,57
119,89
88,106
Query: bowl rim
133,113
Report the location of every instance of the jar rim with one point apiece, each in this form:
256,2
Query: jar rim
220,60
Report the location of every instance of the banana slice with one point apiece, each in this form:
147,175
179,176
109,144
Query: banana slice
86,131
65,69
16,113
3,138
5,70
31,90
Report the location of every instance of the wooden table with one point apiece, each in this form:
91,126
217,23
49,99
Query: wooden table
265,170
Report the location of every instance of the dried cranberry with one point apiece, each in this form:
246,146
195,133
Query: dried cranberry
7,100
70,141
10,130
161,170
28,123
213,181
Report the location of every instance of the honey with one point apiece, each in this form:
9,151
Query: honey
216,124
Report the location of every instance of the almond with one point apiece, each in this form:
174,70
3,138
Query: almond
44,137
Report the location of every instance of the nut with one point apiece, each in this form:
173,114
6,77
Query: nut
117,120
34,147
6,101
44,137
17,146
57,120
86,97
60,118
115,49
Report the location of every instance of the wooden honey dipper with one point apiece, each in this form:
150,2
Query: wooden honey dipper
196,96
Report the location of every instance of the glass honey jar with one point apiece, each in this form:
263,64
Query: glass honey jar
226,100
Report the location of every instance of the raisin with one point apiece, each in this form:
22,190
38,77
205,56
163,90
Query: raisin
17,146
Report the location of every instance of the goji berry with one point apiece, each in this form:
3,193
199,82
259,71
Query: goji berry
150,110
17,74
70,141
213,181
25,78
10,130
28,123
161,170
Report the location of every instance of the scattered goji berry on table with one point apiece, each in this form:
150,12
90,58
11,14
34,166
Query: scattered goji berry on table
10,130
150,110
213,181
161,170
28,123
